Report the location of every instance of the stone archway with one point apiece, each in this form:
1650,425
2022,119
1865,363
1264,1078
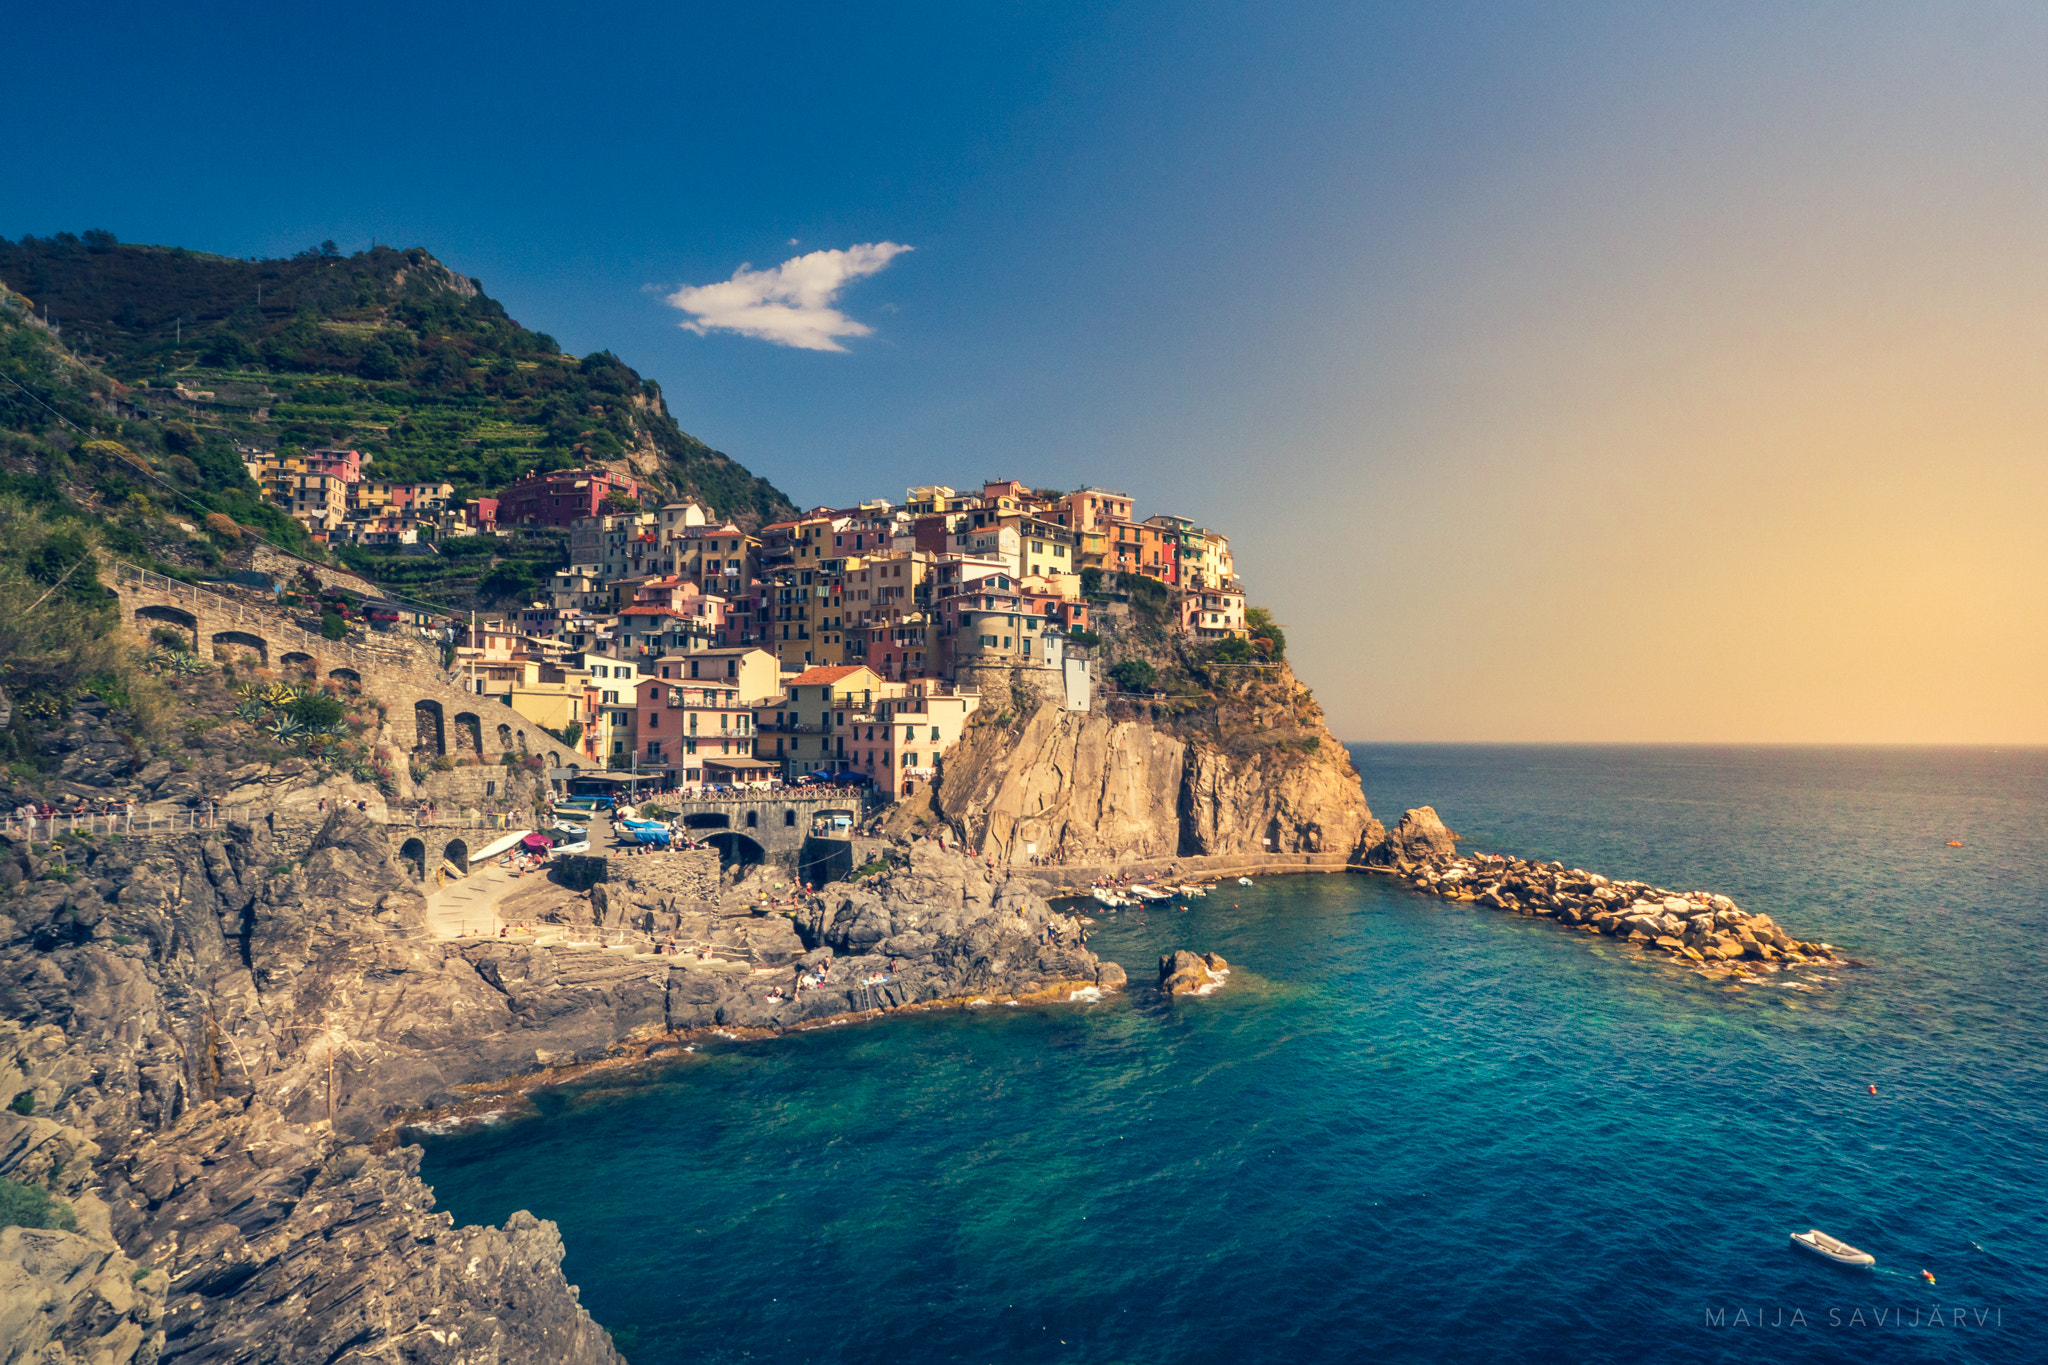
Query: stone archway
522,741
430,738
456,854
736,851
413,854
306,663
554,759
504,737
242,639
470,731
348,675
148,617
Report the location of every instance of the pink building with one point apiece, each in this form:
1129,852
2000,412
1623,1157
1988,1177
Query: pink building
346,465
682,724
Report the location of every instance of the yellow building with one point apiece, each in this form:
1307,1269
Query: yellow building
807,727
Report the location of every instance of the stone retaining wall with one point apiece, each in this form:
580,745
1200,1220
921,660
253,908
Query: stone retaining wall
428,711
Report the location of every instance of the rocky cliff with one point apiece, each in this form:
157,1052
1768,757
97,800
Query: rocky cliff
1259,772
207,1041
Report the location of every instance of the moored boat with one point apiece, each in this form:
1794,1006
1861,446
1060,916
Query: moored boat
1832,1248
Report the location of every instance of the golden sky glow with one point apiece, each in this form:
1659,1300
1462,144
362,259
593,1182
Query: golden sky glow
1728,425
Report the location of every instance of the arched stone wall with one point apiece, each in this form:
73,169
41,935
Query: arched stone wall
242,639
295,659
149,618
457,852
470,732
430,737
736,850
345,675
413,853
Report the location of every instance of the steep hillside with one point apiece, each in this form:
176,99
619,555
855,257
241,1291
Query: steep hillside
388,351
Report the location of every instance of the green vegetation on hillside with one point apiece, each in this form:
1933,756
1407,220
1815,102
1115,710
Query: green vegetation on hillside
31,1206
57,642
387,351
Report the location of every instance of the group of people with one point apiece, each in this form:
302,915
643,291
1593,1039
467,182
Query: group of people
327,805
118,814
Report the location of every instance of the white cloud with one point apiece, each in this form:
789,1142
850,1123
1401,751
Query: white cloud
790,305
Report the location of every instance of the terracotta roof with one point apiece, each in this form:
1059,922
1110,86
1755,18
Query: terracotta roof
824,674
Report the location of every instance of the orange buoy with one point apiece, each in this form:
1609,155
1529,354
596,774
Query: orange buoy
1927,1275
1955,843
1873,1090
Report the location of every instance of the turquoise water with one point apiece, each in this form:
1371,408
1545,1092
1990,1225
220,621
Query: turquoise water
1403,1131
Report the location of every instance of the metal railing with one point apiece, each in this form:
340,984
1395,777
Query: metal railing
199,819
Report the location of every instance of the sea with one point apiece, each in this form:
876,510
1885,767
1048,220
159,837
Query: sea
1402,1130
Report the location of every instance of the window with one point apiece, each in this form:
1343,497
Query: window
789,818
490,789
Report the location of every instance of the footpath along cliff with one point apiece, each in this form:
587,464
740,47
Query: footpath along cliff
206,1043
1248,775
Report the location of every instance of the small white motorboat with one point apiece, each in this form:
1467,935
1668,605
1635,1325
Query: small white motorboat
1192,890
1146,893
1109,899
1244,881
1832,1248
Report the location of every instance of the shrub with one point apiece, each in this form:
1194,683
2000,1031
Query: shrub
1266,633
332,627
1078,636
1234,651
24,1103
1135,675
30,1206
315,709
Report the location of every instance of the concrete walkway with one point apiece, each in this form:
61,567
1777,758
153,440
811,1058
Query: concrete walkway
468,906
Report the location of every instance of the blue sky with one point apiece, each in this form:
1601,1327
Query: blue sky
1612,327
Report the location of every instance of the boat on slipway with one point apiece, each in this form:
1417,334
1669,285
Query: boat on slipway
1831,1248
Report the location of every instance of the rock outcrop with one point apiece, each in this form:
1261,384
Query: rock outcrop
1256,775
1419,837
1184,973
216,1035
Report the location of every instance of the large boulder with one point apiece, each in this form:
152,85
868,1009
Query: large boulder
1184,973
1419,837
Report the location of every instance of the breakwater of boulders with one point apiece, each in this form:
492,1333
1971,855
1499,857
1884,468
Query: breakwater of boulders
1698,927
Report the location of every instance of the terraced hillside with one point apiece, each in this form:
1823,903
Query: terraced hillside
388,351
